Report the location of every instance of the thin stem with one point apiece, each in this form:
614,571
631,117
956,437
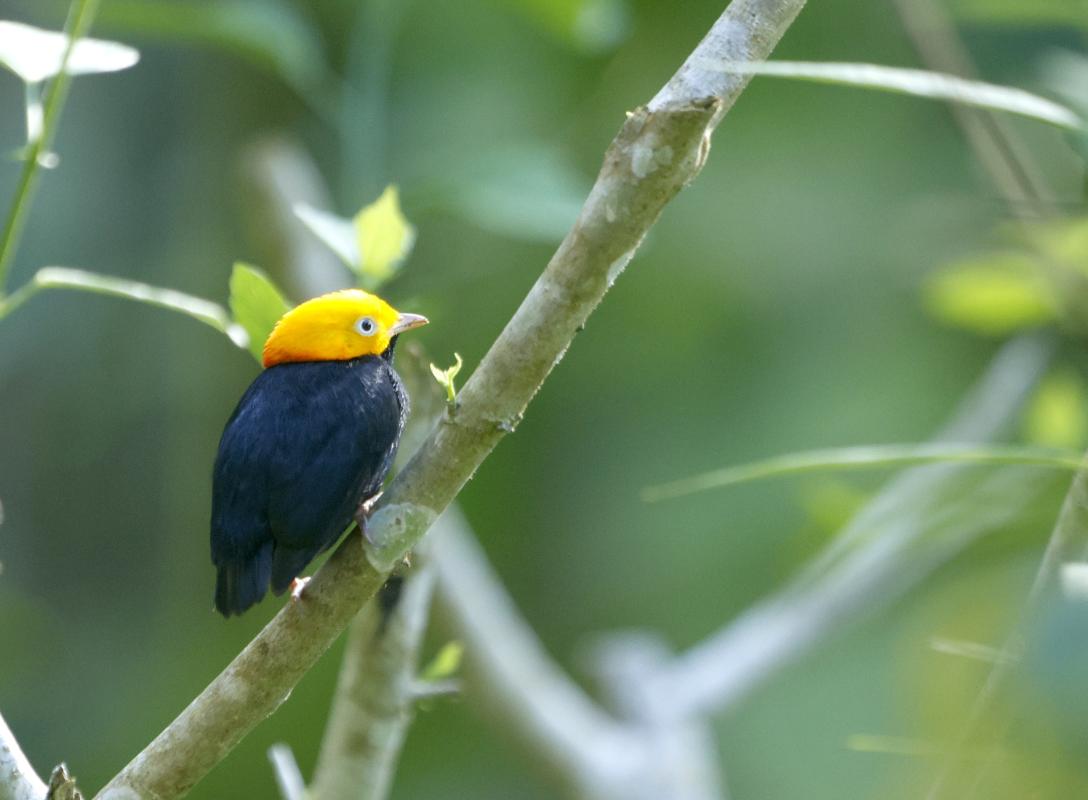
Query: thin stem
80,17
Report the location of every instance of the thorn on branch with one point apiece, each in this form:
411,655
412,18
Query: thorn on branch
62,786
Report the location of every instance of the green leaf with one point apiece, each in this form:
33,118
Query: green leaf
270,34
36,55
993,296
384,236
445,378
335,232
914,82
211,314
1057,415
870,457
445,664
256,304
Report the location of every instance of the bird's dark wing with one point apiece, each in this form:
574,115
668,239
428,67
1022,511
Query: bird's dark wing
307,444
335,453
241,538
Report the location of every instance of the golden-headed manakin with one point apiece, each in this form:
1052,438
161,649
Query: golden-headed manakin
312,438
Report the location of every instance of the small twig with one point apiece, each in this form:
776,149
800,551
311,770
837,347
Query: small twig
80,17
288,775
375,696
18,780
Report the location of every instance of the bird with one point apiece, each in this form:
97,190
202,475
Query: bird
312,438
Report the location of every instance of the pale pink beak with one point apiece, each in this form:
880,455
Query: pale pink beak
405,322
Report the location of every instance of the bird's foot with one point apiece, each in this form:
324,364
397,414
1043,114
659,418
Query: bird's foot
297,586
368,505
362,513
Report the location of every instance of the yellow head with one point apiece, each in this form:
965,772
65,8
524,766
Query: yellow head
336,327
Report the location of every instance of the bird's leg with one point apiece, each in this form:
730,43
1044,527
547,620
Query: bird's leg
368,505
297,585
362,514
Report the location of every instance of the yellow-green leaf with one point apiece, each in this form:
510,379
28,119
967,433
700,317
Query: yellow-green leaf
256,304
445,663
994,297
385,238
1056,414
445,377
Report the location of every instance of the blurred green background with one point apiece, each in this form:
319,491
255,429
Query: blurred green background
777,306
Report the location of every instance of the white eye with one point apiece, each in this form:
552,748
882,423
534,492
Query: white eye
366,326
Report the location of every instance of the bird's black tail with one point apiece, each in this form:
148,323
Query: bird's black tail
241,584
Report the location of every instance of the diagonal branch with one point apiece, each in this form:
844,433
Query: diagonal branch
658,150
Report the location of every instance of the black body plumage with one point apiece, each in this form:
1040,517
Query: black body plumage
308,443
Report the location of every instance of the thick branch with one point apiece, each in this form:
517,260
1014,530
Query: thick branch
375,695
656,153
18,780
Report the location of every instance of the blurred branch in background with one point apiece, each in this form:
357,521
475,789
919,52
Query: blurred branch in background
660,747
919,521
18,780
1007,161
1018,179
589,752
1068,544
659,149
